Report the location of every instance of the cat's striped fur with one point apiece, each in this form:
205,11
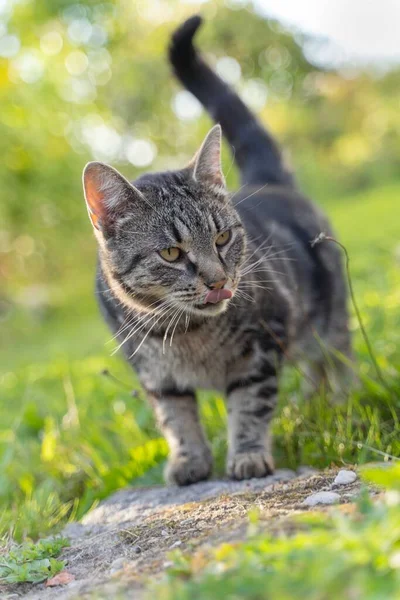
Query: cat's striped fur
288,297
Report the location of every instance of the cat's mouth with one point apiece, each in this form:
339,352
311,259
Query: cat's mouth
216,296
210,310
214,302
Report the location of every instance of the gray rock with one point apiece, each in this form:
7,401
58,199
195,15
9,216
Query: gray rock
118,564
306,471
321,498
344,477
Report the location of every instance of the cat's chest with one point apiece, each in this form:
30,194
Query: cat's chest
198,359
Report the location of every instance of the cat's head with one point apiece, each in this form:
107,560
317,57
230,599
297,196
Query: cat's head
171,240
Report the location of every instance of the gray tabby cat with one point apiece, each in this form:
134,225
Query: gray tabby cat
204,289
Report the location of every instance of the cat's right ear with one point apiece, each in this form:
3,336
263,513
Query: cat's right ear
206,163
108,195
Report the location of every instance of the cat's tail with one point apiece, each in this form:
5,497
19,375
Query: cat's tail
256,153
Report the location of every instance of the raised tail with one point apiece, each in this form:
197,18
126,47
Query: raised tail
256,153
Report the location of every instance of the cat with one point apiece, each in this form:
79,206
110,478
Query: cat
207,289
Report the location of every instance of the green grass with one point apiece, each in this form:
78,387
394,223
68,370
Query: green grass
32,563
325,557
70,435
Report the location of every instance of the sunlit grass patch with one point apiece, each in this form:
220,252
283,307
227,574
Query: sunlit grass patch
73,437
340,555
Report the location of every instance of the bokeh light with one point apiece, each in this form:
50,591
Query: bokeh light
80,31
51,43
9,46
186,106
140,153
229,69
28,66
76,62
254,92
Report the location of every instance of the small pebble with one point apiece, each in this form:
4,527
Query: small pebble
164,533
306,471
136,549
117,564
321,498
175,544
345,477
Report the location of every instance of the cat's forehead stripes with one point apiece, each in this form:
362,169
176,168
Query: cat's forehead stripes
212,223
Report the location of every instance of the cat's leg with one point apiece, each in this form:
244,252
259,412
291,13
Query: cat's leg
251,402
177,415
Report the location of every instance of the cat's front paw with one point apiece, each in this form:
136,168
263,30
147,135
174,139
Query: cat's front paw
184,470
245,465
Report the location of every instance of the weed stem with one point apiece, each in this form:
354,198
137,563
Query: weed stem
321,237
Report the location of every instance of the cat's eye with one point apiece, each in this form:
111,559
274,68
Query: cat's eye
223,238
171,254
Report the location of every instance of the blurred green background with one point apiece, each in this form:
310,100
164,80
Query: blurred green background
90,80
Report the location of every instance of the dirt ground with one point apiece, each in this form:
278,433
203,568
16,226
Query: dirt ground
126,540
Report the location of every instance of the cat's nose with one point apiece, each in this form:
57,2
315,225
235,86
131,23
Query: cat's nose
217,285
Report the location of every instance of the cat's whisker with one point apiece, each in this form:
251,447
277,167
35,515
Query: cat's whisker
168,328
143,324
187,321
130,335
252,194
254,285
262,271
237,191
251,268
128,322
137,319
262,247
269,254
176,324
252,254
266,255
244,295
259,248
261,287
253,240
246,281
125,325
146,336
265,269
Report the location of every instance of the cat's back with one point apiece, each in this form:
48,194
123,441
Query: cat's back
260,206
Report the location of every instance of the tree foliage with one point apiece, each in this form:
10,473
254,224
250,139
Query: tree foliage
90,79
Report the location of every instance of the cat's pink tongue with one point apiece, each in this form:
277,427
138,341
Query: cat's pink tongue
216,296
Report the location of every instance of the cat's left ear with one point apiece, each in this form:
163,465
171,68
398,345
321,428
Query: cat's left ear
206,163
108,196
